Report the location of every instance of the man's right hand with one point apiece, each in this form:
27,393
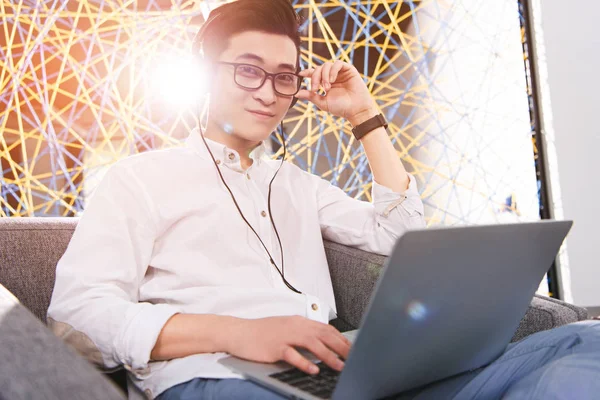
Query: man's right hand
273,339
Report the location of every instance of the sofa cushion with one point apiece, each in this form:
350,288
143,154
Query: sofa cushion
34,363
29,251
354,274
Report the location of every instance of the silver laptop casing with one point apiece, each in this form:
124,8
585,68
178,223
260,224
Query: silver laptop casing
447,301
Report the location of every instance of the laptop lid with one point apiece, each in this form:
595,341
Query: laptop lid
449,300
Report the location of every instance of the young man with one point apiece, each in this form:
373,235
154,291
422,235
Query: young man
186,255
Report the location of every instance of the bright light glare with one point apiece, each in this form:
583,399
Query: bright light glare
177,81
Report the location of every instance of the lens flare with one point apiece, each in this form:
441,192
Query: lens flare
228,128
416,310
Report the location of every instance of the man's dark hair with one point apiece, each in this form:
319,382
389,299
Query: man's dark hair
269,16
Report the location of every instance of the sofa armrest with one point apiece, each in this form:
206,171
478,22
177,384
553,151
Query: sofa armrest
354,274
546,313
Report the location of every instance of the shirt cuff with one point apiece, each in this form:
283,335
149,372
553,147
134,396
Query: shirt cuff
385,199
316,310
138,338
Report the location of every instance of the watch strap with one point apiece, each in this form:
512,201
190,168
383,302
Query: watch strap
369,125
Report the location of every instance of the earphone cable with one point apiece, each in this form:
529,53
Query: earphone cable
281,272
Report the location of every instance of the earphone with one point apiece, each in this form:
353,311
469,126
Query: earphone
198,54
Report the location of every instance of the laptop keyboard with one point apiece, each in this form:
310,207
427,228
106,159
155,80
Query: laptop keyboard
320,385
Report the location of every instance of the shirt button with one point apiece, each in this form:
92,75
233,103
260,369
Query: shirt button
248,176
231,156
263,213
314,306
218,162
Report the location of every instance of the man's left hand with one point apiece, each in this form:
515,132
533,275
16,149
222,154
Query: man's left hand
346,94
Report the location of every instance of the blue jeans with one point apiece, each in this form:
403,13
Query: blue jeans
562,363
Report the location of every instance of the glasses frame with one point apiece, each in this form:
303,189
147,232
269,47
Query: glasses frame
266,76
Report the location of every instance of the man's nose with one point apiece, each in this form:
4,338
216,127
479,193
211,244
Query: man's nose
266,93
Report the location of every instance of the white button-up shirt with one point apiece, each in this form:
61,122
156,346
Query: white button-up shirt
161,235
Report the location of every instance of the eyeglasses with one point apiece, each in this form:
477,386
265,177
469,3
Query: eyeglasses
252,77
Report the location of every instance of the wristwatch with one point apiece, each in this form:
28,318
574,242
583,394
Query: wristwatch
369,125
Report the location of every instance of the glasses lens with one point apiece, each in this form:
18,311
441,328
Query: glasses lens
249,76
287,84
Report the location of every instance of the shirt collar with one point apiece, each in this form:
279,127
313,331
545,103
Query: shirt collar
224,154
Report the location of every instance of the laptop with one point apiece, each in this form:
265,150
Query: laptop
447,301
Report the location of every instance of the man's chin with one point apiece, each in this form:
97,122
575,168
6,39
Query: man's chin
254,136
256,133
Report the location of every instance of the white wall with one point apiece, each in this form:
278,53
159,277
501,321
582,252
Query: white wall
572,38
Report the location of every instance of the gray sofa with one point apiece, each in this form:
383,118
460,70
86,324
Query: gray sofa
31,247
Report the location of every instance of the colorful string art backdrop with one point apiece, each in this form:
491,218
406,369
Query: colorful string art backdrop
86,83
